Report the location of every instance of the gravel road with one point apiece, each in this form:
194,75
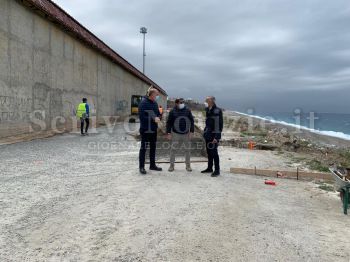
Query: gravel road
72,198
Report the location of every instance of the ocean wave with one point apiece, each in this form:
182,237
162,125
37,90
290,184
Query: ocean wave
320,132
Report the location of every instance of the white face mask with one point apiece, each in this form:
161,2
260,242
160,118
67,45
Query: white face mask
206,105
181,106
157,98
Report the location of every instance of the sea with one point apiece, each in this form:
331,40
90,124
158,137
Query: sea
328,124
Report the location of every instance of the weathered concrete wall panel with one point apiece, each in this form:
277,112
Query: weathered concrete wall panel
21,23
4,14
41,67
57,43
21,63
42,34
4,57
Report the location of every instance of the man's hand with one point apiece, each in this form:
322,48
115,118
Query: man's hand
215,141
157,120
168,136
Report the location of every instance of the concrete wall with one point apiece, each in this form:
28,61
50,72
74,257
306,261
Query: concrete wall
44,72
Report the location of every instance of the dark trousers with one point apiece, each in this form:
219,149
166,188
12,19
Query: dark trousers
82,121
148,140
213,155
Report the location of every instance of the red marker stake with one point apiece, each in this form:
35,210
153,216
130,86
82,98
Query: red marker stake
270,182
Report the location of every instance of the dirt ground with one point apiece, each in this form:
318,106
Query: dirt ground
72,198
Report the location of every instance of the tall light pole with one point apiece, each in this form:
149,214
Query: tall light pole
143,30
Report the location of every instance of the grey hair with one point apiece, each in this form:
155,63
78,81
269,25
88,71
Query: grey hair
212,98
151,90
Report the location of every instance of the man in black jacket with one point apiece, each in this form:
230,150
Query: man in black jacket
180,127
212,135
149,118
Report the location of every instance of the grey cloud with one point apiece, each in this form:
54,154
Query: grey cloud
270,55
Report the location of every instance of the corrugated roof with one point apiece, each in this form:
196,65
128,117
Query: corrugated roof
57,15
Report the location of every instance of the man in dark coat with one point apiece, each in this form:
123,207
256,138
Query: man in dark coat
149,118
212,135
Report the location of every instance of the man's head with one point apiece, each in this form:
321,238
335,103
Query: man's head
179,101
84,100
152,93
210,100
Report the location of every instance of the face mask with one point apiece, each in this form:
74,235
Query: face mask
206,105
157,98
181,106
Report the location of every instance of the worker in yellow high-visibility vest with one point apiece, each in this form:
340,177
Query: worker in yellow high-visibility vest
83,112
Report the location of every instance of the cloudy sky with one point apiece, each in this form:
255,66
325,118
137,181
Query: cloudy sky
269,55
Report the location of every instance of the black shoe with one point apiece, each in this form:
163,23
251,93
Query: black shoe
207,171
143,171
215,174
155,168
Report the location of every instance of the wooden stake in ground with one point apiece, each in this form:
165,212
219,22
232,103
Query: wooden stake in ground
286,174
